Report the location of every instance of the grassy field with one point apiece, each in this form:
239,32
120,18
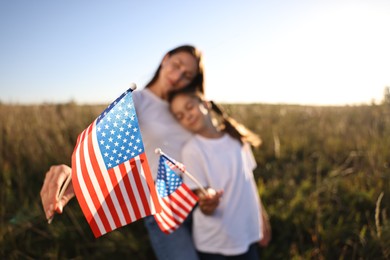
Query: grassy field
323,174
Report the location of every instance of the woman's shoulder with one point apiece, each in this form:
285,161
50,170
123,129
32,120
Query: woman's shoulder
139,95
145,98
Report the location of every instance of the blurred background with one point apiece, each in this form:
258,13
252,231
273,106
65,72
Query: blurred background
311,78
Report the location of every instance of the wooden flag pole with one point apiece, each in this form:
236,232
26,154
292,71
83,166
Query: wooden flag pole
159,151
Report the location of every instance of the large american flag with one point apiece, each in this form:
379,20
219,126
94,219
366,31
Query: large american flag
110,172
176,199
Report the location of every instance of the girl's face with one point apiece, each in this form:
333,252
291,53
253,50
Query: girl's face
191,113
177,71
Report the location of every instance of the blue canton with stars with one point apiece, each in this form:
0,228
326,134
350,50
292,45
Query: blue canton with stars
118,132
167,180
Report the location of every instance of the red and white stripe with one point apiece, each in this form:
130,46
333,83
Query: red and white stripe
111,198
175,209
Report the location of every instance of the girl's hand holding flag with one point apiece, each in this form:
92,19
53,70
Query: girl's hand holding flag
208,203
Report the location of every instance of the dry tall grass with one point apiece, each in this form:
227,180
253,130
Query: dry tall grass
323,175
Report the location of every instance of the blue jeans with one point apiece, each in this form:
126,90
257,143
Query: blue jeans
177,245
251,254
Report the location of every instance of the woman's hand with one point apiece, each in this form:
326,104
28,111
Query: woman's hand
54,180
208,203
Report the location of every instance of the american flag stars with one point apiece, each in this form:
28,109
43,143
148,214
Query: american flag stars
167,179
118,133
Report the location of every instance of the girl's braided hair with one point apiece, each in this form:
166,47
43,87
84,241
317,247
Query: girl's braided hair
226,123
234,128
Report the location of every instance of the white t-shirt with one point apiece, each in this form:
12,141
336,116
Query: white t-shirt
159,129
224,164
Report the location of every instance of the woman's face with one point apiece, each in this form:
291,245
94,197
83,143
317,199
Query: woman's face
191,113
177,71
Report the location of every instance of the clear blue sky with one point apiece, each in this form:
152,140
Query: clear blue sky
300,52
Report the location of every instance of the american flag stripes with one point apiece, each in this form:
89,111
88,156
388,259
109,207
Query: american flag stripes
110,171
176,199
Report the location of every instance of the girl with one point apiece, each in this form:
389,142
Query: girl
221,158
180,68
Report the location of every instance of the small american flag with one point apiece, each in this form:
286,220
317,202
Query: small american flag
176,199
110,171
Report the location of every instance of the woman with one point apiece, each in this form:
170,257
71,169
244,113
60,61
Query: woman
180,68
